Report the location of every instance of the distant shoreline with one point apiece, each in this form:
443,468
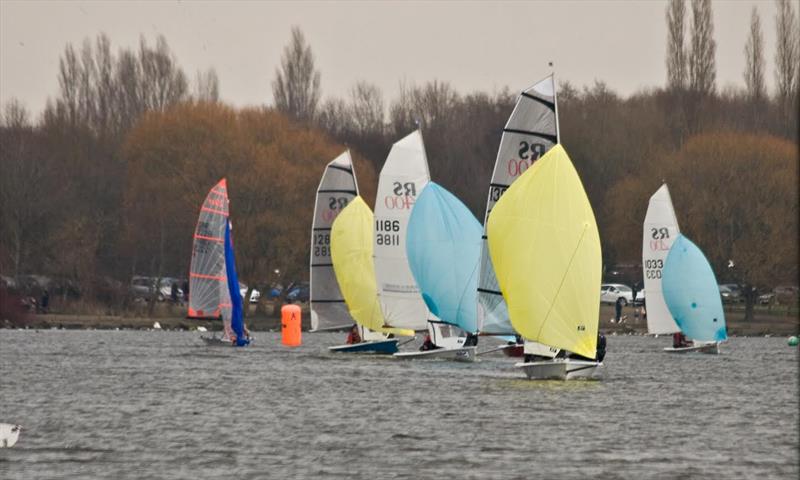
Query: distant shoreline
764,323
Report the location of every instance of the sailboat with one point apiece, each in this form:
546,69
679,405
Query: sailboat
351,255
402,178
443,244
336,189
9,434
213,283
658,235
545,247
530,132
692,296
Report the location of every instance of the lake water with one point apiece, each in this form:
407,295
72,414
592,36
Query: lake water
161,405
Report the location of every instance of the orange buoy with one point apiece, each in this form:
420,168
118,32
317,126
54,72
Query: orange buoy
291,335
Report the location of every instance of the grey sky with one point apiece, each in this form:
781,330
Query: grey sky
474,45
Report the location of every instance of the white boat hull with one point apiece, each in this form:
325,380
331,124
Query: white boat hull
711,348
560,369
460,354
9,434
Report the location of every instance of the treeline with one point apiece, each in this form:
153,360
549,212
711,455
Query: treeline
108,181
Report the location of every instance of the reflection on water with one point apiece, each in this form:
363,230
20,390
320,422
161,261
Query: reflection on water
103,404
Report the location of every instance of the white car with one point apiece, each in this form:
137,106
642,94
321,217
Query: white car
255,295
610,292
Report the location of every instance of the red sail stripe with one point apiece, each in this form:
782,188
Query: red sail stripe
211,210
207,277
212,239
221,305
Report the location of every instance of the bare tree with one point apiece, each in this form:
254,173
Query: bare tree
163,82
207,86
676,52
21,187
754,56
786,62
366,104
702,62
334,117
296,89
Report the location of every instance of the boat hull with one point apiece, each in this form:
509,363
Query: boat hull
514,351
460,354
711,348
216,341
560,369
381,347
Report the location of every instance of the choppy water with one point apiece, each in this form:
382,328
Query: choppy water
116,405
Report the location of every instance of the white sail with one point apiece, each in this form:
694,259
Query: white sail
402,178
336,188
660,230
531,130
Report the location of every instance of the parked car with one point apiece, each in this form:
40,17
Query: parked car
766,298
728,295
731,292
786,294
609,292
142,286
298,292
255,295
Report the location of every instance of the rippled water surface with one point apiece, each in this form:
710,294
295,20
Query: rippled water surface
114,404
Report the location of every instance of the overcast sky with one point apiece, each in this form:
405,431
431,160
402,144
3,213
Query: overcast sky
473,45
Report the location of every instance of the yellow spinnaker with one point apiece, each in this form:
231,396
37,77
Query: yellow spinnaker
545,247
351,253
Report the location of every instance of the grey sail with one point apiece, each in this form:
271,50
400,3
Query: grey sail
531,130
208,293
336,189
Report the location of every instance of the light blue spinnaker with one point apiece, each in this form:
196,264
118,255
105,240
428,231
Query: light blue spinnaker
443,245
237,322
691,292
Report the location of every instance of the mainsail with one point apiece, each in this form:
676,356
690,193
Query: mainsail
531,131
336,189
351,255
402,178
660,230
208,290
545,247
444,248
691,293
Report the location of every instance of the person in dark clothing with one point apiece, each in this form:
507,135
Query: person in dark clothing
173,292
471,340
679,340
185,291
427,344
618,309
601,350
45,301
601,347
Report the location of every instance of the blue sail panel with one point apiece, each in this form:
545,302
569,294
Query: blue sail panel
443,244
237,322
691,292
